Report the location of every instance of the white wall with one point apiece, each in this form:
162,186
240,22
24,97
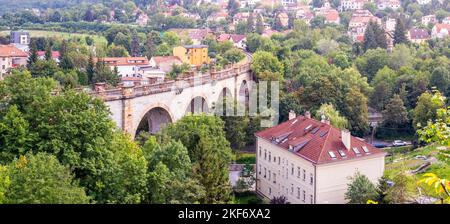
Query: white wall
332,179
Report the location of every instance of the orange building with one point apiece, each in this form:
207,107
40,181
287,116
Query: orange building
196,55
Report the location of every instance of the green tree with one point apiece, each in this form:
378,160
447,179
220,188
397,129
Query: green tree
427,107
234,55
104,74
44,68
327,111
265,61
360,190
374,37
41,179
250,23
33,54
209,151
403,189
400,32
48,52
15,136
440,78
356,111
259,24
372,61
90,69
170,173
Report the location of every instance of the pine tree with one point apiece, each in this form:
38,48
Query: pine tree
400,32
278,26
259,24
374,37
33,54
90,69
64,61
48,52
134,45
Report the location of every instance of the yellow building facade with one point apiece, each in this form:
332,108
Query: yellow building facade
196,55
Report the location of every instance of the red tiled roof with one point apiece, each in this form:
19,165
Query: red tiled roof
11,51
124,61
314,140
55,54
439,26
416,33
233,37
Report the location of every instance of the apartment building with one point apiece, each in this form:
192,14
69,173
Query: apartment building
126,66
310,162
347,5
196,55
11,57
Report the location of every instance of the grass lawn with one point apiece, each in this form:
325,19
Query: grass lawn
98,40
245,158
247,198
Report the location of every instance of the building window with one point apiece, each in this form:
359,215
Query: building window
265,154
311,198
292,169
270,191
265,172
304,196
270,156
260,152
260,169
298,172
274,178
270,174
279,160
298,193
292,189
304,175
311,179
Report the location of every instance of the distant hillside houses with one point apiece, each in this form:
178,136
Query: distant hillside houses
440,30
350,5
358,24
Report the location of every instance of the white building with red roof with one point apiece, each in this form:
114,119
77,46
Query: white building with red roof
347,5
440,30
126,66
165,63
310,162
238,40
331,15
11,57
55,55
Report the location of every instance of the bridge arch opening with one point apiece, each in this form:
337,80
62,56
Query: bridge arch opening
225,103
154,120
244,95
197,105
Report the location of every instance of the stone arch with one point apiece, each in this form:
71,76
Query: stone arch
198,104
154,119
222,107
244,94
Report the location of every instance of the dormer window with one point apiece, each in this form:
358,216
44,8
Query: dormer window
366,150
342,153
357,152
332,155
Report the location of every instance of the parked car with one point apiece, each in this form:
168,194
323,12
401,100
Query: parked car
397,143
380,145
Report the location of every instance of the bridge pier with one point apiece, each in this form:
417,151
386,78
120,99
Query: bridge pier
127,109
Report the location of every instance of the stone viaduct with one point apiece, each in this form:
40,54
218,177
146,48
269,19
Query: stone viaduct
150,107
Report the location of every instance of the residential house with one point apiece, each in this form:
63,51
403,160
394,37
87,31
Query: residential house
198,35
218,16
440,30
423,2
55,55
11,57
238,40
311,162
20,39
331,15
284,18
195,55
142,19
429,19
358,23
446,20
165,63
126,66
418,36
349,5
384,4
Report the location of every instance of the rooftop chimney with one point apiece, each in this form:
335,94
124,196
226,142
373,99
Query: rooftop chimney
346,138
308,114
292,115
